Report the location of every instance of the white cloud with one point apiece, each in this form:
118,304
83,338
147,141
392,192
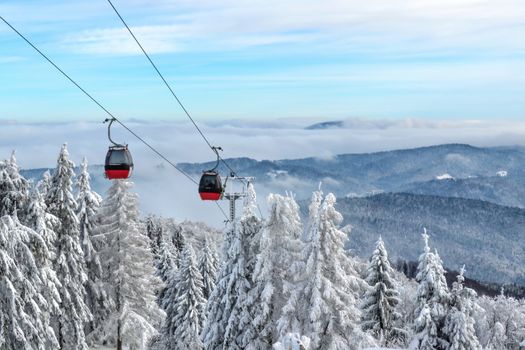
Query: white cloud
157,39
165,191
38,144
412,26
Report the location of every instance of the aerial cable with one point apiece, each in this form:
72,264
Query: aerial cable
169,87
96,102
105,109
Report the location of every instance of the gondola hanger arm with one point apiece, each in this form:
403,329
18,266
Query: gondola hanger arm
216,149
111,121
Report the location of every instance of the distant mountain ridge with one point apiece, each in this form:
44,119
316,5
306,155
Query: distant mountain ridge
451,170
473,172
326,125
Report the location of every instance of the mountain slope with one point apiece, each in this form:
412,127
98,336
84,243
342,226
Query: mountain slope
504,190
487,238
412,170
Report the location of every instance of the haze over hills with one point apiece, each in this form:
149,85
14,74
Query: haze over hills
467,197
494,174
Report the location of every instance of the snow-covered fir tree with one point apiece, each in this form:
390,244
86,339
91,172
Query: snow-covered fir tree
498,339
178,241
291,320
328,310
500,321
433,299
459,325
88,202
379,314
25,294
166,266
14,189
44,224
154,232
313,214
427,336
185,311
407,303
248,239
279,250
44,184
208,267
128,268
224,307
69,260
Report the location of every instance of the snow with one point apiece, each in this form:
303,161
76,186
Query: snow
277,278
444,177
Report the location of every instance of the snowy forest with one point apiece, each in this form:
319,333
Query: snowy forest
79,271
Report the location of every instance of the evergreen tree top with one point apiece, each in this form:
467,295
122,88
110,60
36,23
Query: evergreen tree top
59,197
328,209
250,202
84,177
12,160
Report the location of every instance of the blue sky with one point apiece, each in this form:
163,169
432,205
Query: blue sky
332,59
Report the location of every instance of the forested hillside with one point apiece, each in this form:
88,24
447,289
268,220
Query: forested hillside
483,236
81,270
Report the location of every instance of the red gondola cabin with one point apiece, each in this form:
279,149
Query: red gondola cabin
210,186
119,163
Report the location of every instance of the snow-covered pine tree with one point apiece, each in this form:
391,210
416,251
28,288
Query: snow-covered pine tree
290,320
69,260
379,314
498,339
275,267
178,241
44,224
14,189
224,308
427,336
500,320
127,263
459,325
165,269
208,265
313,214
185,312
248,239
328,309
24,292
154,233
433,293
44,185
88,202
